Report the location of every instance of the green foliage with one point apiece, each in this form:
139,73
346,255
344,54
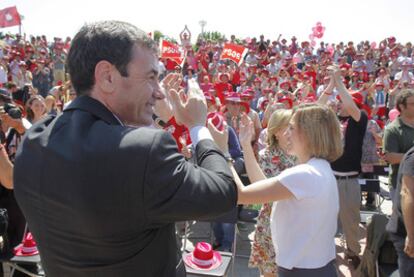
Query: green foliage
158,36
213,36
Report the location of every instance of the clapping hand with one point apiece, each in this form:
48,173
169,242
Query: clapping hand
246,132
409,247
163,107
185,149
220,137
190,110
335,72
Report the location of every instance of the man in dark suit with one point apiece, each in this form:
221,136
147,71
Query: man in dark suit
101,191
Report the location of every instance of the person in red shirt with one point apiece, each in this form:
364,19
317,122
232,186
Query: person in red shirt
311,73
223,86
235,81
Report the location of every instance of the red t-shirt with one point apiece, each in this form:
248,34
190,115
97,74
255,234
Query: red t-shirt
221,88
236,78
204,60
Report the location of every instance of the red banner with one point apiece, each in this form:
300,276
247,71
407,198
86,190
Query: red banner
233,52
9,17
172,51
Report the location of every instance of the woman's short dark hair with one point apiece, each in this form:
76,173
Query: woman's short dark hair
111,41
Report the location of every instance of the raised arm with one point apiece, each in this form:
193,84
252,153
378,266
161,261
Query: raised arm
327,92
246,134
347,101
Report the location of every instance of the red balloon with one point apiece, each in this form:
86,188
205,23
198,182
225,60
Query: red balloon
318,24
311,37
313,29
318,35
313,43
319,28
373,45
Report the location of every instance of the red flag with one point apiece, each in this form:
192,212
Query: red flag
9,17
172,51
233,52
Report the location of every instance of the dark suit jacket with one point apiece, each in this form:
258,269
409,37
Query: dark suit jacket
101,199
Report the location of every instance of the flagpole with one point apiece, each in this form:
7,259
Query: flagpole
20,29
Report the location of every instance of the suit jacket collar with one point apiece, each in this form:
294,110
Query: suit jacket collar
93,106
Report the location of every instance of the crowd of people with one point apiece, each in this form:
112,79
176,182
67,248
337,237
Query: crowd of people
302,122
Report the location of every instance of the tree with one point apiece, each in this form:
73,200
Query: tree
158,36
213,36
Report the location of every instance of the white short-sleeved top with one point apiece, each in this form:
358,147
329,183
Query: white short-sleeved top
303,228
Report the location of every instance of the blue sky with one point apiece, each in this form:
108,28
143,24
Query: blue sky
344,20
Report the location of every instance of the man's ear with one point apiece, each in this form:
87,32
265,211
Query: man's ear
105,76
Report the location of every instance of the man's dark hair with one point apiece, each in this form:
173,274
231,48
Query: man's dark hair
111,41
402,98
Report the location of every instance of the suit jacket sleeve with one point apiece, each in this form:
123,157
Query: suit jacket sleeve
177,190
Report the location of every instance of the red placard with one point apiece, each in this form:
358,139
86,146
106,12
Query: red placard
172,51
233,52
9,17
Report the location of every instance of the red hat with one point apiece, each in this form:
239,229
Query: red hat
284,83
27,247
203,257
210,97
265,71
357,97
303,44
248,93
273,78
264,104
232,97
257,80
267,90
381,111
246,106
217,119
286,99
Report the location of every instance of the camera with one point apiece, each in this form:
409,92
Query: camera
12,110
